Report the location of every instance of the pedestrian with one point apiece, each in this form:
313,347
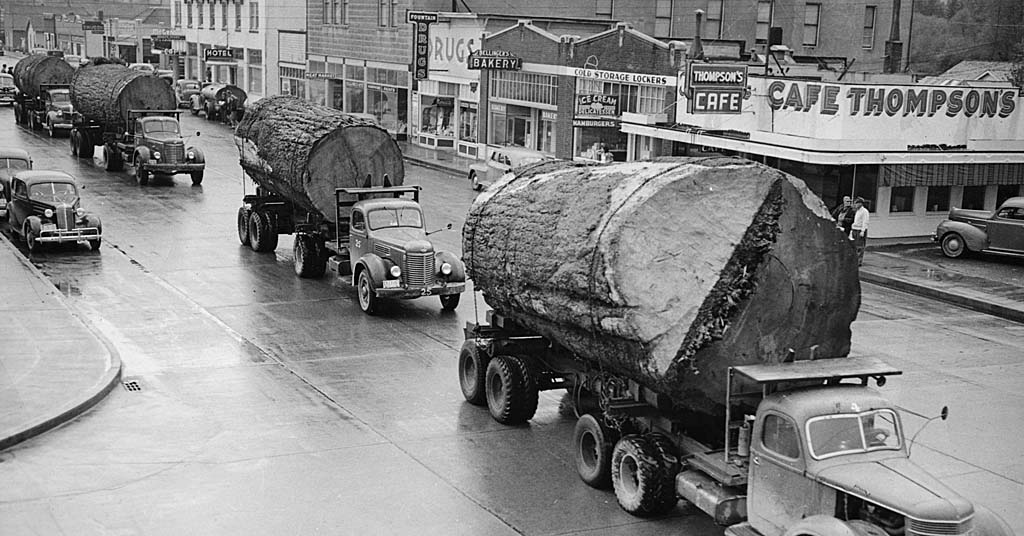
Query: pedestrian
843,215
859,228
4,71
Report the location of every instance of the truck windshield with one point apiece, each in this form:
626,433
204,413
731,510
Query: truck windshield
60,97
392,217
161,125
834,435
53,192
15,164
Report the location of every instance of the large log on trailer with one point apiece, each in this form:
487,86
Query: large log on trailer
33,71
303,152
106,93
668,271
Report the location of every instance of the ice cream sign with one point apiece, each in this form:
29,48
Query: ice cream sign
891,101
597,105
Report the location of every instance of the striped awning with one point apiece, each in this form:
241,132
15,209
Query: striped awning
949,174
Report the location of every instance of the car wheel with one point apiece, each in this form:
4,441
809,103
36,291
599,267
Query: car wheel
197,178
30,238
95,244
367,297
953,245
474,181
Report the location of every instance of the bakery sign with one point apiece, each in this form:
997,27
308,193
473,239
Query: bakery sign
597,105
891,101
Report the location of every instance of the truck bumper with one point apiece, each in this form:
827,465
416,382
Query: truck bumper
409,293
50,236
172,169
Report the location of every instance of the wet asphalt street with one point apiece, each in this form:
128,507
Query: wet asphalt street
270,404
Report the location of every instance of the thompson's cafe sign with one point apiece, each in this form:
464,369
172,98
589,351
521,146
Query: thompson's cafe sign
892,101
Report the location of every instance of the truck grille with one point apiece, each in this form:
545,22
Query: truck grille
174,154
65,217
917,527
419,269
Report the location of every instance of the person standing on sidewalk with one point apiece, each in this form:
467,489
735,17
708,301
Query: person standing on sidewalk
843,215
859,229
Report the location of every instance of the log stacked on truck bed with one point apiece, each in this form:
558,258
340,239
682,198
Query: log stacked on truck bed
106,93
32,71
668,271
303,152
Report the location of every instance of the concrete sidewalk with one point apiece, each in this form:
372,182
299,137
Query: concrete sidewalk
53,366
882,266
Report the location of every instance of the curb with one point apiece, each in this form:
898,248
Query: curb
74,408
431,165
959,300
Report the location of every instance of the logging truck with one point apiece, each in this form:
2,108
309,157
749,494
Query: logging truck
697,313
335,182
42,99
133,118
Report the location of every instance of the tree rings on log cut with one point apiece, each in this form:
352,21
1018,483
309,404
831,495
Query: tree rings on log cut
303,152
666,271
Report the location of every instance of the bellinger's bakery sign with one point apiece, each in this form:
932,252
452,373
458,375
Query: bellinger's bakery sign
872,100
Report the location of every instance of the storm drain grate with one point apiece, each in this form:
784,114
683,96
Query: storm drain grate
132,385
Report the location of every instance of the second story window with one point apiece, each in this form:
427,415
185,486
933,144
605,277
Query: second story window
254,16
199,16
764,20
188,14
603,8
177,14
663,18
713,26
213,16
224,16
238,17
812,15
386,13
869,27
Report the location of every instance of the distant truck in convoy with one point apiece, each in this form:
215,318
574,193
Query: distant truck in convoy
698,313
42,99
335,182
134,118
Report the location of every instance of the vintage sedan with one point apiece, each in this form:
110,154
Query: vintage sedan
7,89
12,160
967,231
502,160
183,91
45,209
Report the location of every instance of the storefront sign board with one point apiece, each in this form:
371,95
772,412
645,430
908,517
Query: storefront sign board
452,42
421,43
219,54
626,78
716,101
598,123
597,105
494,60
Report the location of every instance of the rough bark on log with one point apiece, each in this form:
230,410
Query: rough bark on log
106,93
303,152
32,71
669,271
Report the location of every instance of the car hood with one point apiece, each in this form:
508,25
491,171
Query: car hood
899,485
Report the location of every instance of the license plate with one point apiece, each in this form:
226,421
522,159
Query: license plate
391,283
49,227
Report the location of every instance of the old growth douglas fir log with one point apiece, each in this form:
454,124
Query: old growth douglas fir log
105,93
33,71
669,271
303,152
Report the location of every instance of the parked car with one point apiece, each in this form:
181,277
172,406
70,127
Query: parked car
502,160
969,231
74,60
147,68
183,91
11,161
45,209
7,89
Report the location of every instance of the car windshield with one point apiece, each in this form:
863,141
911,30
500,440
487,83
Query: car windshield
834,435
60,96
391,217
161,125
191,85
53,192
15,164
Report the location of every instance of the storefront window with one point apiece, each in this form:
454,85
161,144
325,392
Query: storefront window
901,199
974,197
293,82
383,106
354,97
436,115
498,134
468,123
255,68
1006,191
600,144
318,92
336,94
938,198
547,136
518,125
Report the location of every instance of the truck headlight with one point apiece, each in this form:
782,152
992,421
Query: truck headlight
156,155
80,212
446,269
191,155
396,271
48,213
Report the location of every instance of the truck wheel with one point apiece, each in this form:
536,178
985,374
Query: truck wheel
473,373
450,301
95,244
113,157
197,178
367,297
243,225
209,113
73,141
309,261
669,459
262,235
141,173
953,245
637,477
511,391
593,443
85,147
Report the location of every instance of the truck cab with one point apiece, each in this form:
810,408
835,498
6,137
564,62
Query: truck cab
157,146
56,110
383,245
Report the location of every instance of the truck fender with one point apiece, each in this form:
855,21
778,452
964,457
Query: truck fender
458,274
141,155
822,525
375,265
200,157
988,523
975,238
